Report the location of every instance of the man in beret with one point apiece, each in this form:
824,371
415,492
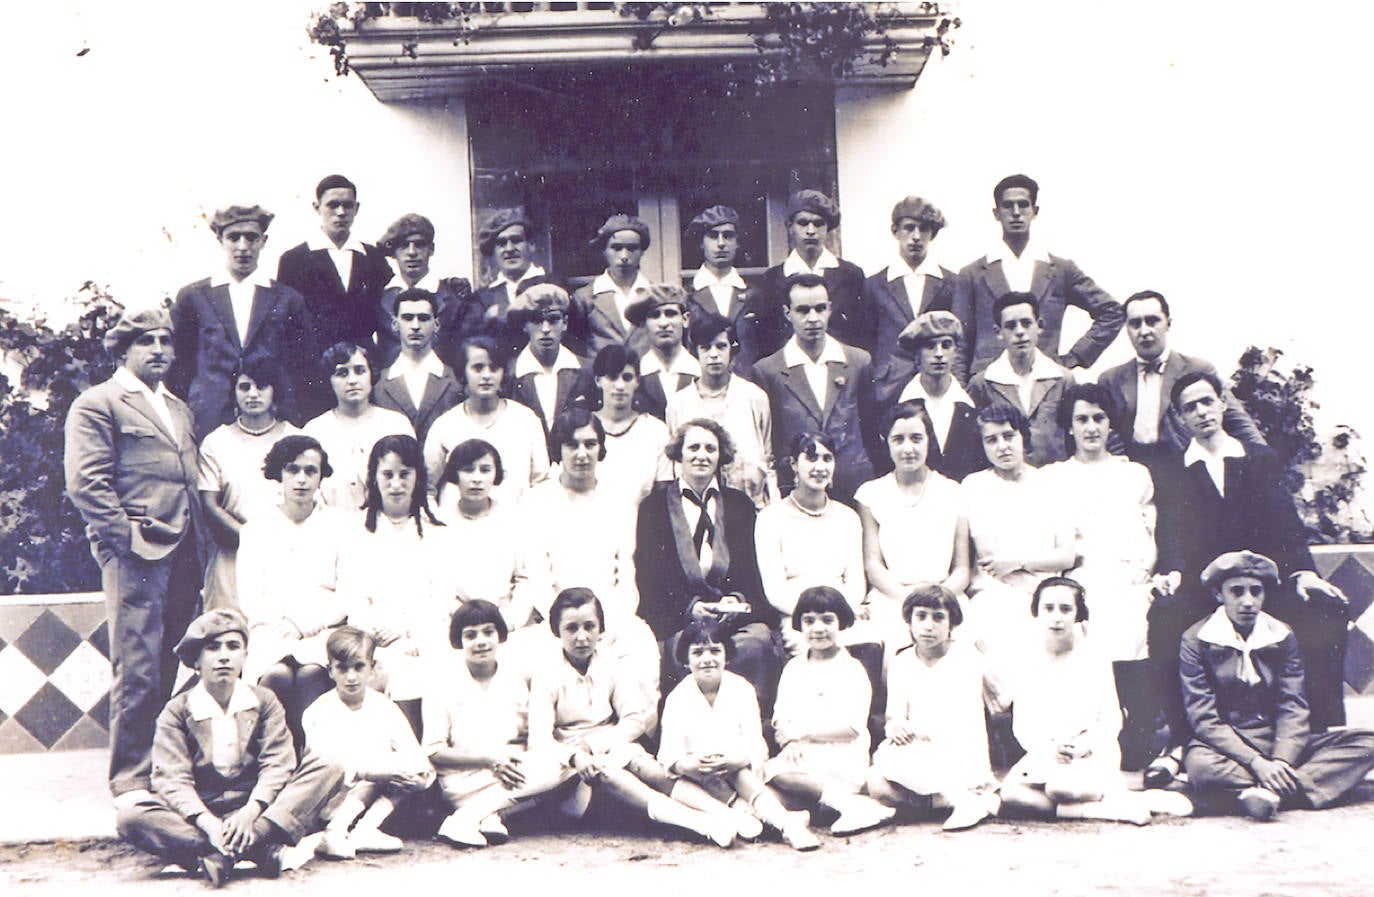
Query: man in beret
667,367
506,241
228,786
811,219
236,313
1223,495
130,462
719,288
912,283
409,243
1019,264
932,340
340,277
1242,678
546,376
598,309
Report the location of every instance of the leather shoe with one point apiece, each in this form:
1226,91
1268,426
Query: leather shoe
216,867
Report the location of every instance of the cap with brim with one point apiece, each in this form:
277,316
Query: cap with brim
237,215
133,324
208,625
710,219
927,327
408,225
499,221
1240,563
532,303
656,295
815,202
617,223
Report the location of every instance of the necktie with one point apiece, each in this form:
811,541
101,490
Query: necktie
706,527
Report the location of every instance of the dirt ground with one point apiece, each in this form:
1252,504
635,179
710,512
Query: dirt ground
1302,854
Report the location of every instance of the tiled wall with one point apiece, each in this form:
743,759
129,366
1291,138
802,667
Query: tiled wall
55,670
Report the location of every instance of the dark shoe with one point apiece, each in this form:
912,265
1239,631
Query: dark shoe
268,860
216,867
1161,771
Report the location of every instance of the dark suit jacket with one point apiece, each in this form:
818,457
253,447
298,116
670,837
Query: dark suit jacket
1057,284
1121,383
845,413
890,309
594,323
668,573
850,320
133,482
441,394
1196,523
208,347
1240,720
654,392
460,316
337,311
576,389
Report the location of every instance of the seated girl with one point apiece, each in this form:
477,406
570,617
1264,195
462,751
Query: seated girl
587,715
820,719
936,751
395,573
1066,717
712,735
288,577
475,732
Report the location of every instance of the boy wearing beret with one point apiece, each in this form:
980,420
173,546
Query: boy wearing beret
226,782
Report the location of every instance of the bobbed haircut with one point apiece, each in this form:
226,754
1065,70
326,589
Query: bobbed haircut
264,370
820,600
933,596
702,632
1080,595
1084,392
495,351
349,644
340,352
465,456
673,450
1188,380
1012,181
1002,413
900,411
807,442
703,328
335,182
1145,296
288,449
475,613
1007,300
569,422
614,358
407,449
571,599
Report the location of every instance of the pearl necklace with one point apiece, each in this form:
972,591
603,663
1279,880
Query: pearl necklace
792,497
251,432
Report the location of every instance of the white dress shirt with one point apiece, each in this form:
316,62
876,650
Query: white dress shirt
623,298
157,397
1149,391
225,751
341,256
817,373
241,296
546,378
941,409
512,286
914,279
1019,270
1215,462
1042,368
416,374
722,288
795,264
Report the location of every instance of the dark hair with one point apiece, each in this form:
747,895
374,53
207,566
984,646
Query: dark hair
335,182
1012,181
805,443
288,449
673,450
1006,300
1146,295
1002,413
340,352
805,279
415,294
1188,380
703,328
1084,392
1079,595
475,613
408,450
349,643
496,353
702,632
934,596
901,411
569,422
820,600
571,599
614,358
264,371
465,455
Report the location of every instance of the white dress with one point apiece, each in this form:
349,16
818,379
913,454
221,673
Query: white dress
516,434
349,442
635,460
824,695
742,411
730,726
1111,507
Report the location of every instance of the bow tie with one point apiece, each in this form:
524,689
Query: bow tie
1151,367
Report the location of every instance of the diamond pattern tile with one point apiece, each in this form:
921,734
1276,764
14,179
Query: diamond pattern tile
85,735
48,715
100,713
16,618
48,642
15,739
83,617
19,680
1359,660
83,677
101,639
1357,581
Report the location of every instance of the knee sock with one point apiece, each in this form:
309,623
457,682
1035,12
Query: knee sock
349,811
378,813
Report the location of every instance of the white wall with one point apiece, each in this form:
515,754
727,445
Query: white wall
1216,152
115,160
